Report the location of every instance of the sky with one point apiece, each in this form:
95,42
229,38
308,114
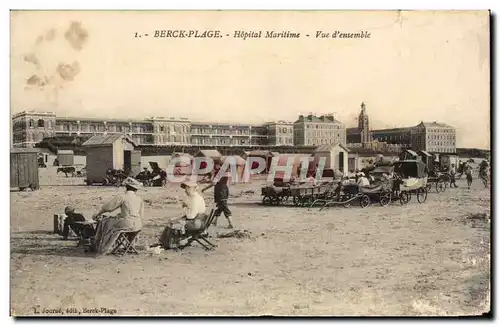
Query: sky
416,66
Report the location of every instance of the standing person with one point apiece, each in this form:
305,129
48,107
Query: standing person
453,171
221,194
468,173
483,172
129,219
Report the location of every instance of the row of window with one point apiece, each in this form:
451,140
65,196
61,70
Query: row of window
223,131
173,139
284,130
100,128
441,143
441,150
322,134
40,123
286,141
447,136
169,129
323,141
446,131
323,126
392,138
225,141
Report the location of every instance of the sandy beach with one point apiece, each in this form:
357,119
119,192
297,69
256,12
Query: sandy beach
417,259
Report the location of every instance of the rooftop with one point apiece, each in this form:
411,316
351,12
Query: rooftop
328,118
434,124
105,140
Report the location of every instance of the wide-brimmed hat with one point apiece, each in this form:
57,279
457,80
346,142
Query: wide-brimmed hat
132,183
69,210
190,184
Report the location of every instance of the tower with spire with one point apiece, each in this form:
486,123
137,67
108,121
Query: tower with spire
364,125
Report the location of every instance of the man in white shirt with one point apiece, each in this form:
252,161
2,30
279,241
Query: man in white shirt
362,180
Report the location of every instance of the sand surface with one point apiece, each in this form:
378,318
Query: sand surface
418,259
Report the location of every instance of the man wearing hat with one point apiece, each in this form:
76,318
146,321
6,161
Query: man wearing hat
129,219
69,222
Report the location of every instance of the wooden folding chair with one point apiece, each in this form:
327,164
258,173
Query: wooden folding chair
82,241
202,233
125,243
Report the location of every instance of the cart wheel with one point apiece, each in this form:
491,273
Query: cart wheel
422,195
266,200
284,199
364,201
440,186
404,197
428,187
276,200
385,198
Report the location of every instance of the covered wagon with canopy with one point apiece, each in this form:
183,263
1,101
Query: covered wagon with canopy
412,180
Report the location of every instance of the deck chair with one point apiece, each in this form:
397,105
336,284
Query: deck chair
201,234
125,243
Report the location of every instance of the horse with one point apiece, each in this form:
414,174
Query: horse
66,170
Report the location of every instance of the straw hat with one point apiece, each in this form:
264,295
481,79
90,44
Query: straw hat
132,183
190,184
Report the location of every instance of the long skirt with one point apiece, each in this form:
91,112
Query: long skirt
108,230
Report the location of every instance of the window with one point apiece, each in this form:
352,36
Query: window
32,123
162,128
49,124
41,123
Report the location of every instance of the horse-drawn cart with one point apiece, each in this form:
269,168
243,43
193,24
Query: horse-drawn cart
412,181
440,180
301,195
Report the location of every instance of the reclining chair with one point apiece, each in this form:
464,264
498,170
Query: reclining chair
202,233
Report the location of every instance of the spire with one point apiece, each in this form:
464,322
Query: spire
363,107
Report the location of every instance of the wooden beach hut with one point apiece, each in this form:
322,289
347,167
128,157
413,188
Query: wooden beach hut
238,163
336,157
24,168
116,151
65,157
182,162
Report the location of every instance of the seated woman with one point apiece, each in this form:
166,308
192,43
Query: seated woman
194,213
194,206
129,219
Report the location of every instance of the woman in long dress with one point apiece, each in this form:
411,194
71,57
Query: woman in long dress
129,219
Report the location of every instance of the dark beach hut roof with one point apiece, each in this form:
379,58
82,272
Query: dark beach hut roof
105,140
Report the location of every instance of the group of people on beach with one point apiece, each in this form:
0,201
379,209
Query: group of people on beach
102,239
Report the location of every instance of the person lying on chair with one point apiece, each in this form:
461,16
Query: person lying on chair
129,219
69,222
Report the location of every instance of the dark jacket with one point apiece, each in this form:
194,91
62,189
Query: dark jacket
221,189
